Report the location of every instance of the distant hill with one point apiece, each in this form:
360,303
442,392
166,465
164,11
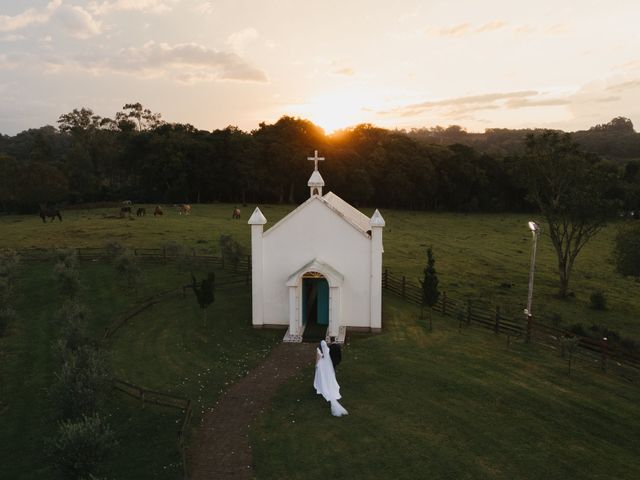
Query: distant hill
616,140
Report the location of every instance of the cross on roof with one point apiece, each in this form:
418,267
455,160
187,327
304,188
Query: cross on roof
315,159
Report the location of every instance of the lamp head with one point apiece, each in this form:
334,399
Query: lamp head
533,227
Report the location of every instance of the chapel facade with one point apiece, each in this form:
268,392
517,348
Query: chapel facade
320,265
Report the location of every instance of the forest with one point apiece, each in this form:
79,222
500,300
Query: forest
137,156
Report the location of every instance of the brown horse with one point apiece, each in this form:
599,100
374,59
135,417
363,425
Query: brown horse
184,209
158,211
236,213
49,212
141,212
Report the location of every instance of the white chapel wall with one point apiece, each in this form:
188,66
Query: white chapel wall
317,232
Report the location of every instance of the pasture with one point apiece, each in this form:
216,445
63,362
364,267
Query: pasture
478,256
456,404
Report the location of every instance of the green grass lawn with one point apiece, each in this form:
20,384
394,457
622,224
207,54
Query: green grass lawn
479,256
450,405
166,348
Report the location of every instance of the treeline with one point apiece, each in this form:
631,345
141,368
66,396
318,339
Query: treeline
136,156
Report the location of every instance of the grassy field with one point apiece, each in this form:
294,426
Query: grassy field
456,405
480,257
450,405
166,348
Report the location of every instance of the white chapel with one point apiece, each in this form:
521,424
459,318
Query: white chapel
320,265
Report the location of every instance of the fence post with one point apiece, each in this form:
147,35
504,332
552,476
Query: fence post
468,312
529,328
444,303
496,328
604,351
404,283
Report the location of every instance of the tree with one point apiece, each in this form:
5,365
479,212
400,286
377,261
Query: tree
135,117
627,250
205,293
230,250
429,283
81,445
571,189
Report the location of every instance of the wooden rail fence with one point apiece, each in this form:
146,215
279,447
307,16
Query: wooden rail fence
146,395
491,317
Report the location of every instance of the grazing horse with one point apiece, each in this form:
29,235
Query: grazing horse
124,210
236,213
141,212
184,209
158,211
49,212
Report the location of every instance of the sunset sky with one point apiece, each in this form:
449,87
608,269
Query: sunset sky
561,64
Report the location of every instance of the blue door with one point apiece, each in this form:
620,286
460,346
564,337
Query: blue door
315,301
323,301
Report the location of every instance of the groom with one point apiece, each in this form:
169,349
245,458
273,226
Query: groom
335,352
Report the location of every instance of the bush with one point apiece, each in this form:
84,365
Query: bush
598,301
73,327
114,249
81,384
627,250
230,250
127,267
66,273
81,445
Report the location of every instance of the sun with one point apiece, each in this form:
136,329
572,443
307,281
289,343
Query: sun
333,111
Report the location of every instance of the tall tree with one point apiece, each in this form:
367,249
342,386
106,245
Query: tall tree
429,283
571,189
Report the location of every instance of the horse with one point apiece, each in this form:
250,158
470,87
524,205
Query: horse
236,213
158,211
184,209
124,210
141,212
49,212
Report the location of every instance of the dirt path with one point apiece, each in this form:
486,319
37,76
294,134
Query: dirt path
220,448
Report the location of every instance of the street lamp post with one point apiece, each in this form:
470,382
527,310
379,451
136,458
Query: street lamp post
535,231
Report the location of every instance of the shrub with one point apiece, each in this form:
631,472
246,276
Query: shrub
66,273
230,250
127,267
81,445
598,301
114,249
627,250
81,383
73,327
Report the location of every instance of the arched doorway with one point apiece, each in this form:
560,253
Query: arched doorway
314,297
315,300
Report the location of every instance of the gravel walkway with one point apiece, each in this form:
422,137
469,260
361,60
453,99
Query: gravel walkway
220,448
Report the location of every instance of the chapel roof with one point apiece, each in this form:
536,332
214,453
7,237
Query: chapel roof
348,212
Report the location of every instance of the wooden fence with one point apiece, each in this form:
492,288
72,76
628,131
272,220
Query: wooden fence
467,312
166,400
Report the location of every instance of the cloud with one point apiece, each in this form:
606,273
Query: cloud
184,62
346,71
148,6
471,102
239,40
491,26
31,16
74,20
204,8
463,29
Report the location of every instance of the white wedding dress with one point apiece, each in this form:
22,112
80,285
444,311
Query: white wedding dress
325,381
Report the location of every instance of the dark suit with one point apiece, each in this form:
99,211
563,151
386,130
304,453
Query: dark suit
335,352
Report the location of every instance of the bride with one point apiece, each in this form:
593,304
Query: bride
325,381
